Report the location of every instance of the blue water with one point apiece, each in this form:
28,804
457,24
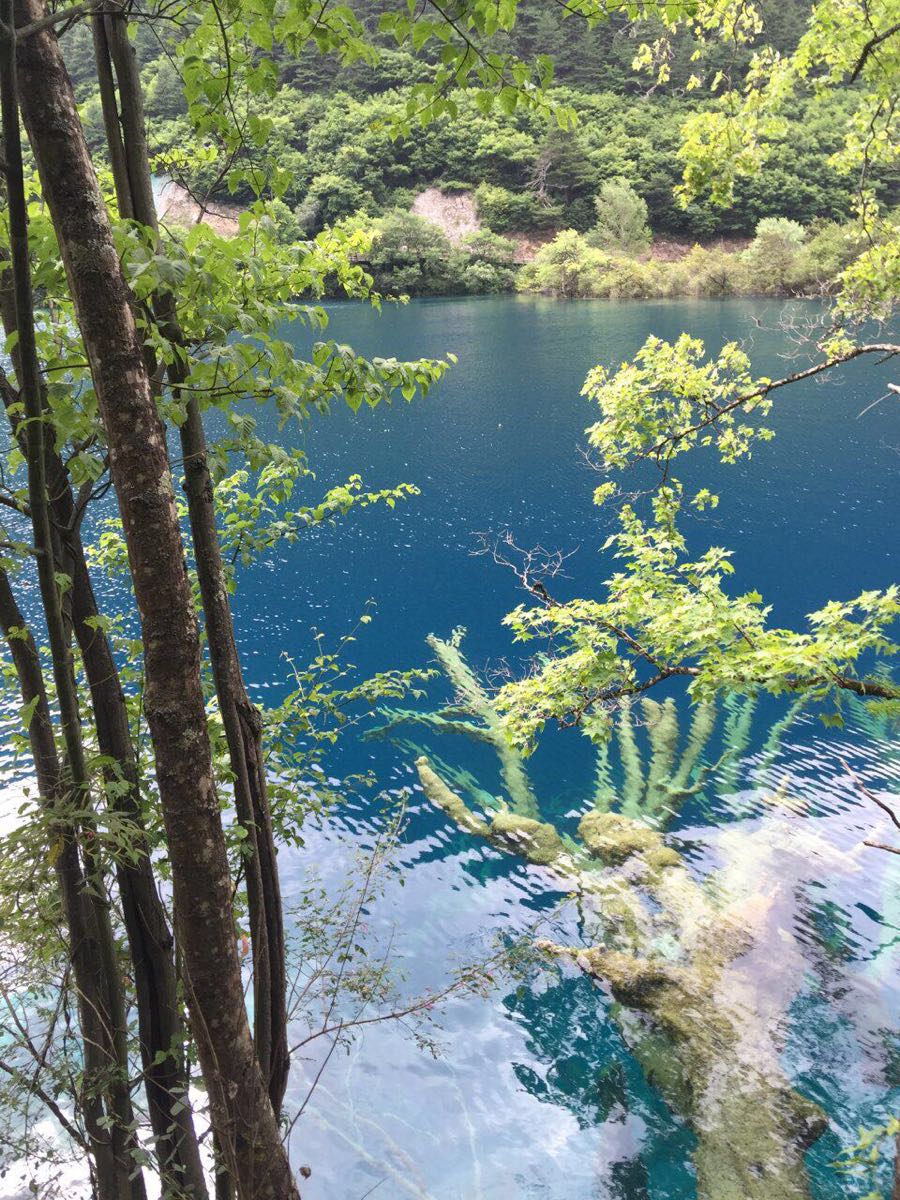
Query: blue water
534,1093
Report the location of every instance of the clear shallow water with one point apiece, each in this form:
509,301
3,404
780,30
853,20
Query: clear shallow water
535,1094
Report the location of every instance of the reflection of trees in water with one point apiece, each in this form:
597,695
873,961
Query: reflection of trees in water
700,1000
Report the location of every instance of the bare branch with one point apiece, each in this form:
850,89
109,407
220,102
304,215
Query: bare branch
57,18
871,45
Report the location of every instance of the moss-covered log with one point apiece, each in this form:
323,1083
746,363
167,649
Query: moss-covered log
474,716
680,965
681,958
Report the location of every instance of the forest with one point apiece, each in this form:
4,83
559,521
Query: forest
447,587
523,178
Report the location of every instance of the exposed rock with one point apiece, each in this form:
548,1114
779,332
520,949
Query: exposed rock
176,206
454,212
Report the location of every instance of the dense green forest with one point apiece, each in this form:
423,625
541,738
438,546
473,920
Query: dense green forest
333,129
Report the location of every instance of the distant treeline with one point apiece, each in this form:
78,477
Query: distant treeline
414,257
527,177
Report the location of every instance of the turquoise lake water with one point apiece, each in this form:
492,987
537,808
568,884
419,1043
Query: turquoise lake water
535,1094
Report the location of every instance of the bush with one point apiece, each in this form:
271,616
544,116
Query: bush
331,198
410,255
628,279
489,247
567,267
492,265
830,248
621,219
504,210
773,255
708,271
481,277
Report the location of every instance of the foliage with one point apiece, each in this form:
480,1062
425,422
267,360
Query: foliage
783,259
412,256
774,253
861,1160
229,108
672,613
621,219
566,267
504,209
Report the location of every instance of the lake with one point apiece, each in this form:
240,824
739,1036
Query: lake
534,1093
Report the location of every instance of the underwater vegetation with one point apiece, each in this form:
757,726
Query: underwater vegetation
687,959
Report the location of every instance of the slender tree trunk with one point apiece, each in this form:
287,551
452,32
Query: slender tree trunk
107,88
243,727
160,1027
118,1172
241,1111
243,731
83,935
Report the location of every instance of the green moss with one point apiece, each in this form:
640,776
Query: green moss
534,840
661,857
634,980
754,1148
455,808
613,838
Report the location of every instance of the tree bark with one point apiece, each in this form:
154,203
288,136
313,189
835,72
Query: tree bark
81,917
108,1098
241,720
241,1111
161,1031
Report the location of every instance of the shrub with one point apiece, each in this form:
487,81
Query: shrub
412,255
567,267
329,199
621,219
830,248
481,277
773,255
708,271
489,247
628,279
503,210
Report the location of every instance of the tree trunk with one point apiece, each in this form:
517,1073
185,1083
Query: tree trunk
106,1031
241,1111
83,935
243,728
160,1028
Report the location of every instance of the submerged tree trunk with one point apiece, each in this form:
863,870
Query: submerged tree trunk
685,962
242,1113
124,120
717,1062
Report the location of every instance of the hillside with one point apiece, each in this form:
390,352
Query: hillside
494,173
